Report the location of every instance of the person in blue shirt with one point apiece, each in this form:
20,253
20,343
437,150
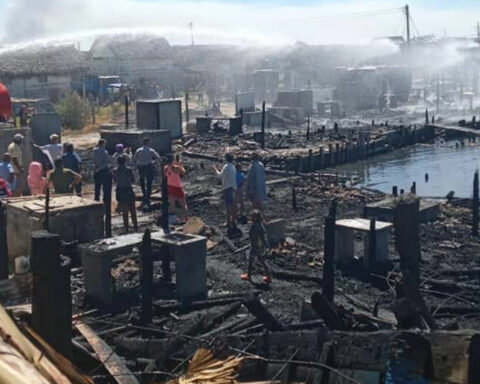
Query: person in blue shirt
72,161
240,177
6,171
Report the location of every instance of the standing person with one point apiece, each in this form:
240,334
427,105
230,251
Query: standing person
259,246
121,150
145,159
173,171
62,179
72,161
124,178
229,184
257,184
239,194
36,181
52,151
102,175
16,154
6,171
23,115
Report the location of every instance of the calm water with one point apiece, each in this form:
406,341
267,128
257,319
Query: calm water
448,168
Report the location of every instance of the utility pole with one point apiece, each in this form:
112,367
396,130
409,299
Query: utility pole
407,16
191,33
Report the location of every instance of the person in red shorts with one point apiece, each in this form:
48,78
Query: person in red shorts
174,170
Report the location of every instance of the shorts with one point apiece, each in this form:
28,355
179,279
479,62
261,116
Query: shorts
260,256
229,196
175,192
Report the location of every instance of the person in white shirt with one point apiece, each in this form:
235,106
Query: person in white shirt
228,175
145,158
52,151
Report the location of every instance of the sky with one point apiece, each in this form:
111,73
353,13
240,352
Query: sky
244,22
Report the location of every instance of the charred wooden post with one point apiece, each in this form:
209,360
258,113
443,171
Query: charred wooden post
327,311
402,191
328,287
51,294
310,161
426,117
146,278
407,234
257,309
126,101
475,204
330,154
107,202
395,191
308,128
263,125
413,188
46,224
187,109
163,219
3,243
372,248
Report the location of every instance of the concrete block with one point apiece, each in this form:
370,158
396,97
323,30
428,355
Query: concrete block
160,114
254,119
43,125
204,124
71,217
190,255
275,232
244,102
97,264
160,140
383,210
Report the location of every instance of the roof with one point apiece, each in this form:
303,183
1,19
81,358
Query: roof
41,60
140,46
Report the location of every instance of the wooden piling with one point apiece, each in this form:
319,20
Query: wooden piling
126,110
475,204
407,234
107,202
308,128
164,216
51,294
263,125
329,255
372,249
187,109
426,117
3,242
146,278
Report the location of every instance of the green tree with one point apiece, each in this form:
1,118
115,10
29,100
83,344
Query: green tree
73,111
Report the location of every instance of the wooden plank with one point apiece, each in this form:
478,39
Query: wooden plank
112,362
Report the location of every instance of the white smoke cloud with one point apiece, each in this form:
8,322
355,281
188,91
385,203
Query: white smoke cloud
216,21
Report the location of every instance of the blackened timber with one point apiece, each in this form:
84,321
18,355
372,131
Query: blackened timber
51,295
475,204
146,279
372,247
407,234
257,309
329,255
126,101
263,125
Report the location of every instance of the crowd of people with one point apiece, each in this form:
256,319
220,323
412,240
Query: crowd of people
61,173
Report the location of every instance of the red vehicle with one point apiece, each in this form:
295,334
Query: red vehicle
5,104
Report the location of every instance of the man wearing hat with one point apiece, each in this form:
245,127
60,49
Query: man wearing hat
52,151
16,154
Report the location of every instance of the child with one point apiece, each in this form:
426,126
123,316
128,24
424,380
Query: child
239,194
124,178
36,181
4,190
174,171
259,242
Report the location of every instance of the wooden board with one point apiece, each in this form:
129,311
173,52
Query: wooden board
112,362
